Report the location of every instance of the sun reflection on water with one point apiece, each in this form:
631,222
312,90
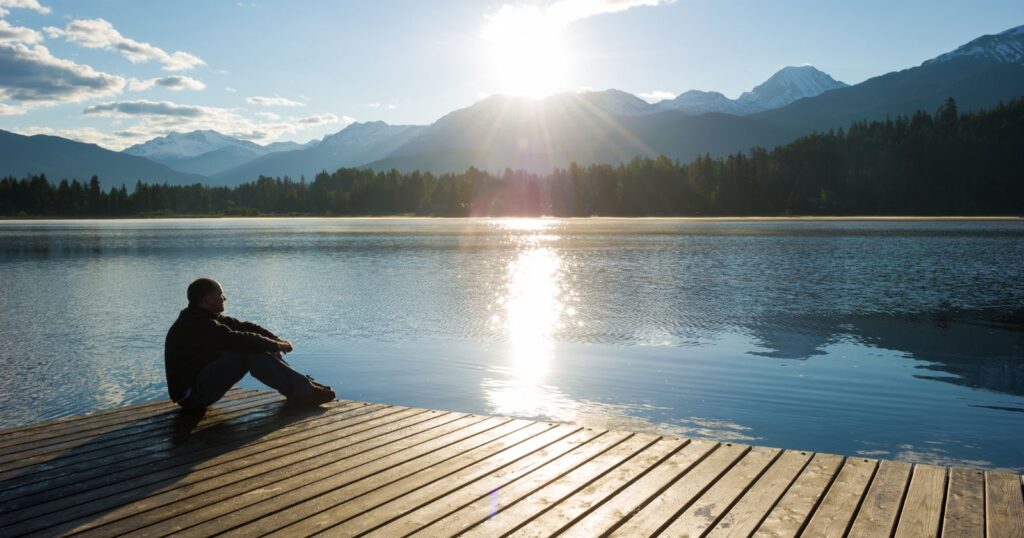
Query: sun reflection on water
532,309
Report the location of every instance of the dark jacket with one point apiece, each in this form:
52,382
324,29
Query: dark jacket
198,337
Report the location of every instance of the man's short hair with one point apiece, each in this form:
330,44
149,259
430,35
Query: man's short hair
200,288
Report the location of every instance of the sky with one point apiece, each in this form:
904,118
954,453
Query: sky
120,72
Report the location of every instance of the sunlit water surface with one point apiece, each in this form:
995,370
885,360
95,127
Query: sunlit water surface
896,339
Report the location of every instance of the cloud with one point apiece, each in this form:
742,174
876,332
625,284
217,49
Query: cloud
272,101
8,110
323,119
31,74
230,89
562,12
654,96
145,108
156,118
10,33
382,106
175,82
34,5
573,10
100,34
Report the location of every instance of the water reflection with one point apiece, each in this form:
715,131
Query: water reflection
531,311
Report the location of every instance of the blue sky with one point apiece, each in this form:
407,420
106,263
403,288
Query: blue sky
117,72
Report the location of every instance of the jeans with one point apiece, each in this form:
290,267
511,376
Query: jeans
219,376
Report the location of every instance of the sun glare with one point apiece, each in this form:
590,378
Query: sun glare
526,51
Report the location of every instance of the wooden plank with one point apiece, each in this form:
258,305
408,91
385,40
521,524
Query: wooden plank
964,515
796,505
190,512
745,516
922,509
210,432
580,503
369,485
63,508
835,513
94,454
1004,505
192,457
552,495
477,502
683,492
705,512
132,509
77,421
604,518
881,506
39,436
400,491
80,447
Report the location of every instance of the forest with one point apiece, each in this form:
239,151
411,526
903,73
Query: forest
941,163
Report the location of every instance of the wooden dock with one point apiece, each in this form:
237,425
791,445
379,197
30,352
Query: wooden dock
252,466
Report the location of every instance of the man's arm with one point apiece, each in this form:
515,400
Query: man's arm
246,326
222,336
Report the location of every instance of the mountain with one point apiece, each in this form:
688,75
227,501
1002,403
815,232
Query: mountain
60,158
787,85
978,74
517,132
505,132
180,146
355,145
701,102
205,152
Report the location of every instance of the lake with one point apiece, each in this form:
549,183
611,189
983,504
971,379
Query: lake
884,338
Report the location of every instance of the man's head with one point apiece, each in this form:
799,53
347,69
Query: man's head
206,293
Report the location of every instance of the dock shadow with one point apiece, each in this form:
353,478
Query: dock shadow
55,487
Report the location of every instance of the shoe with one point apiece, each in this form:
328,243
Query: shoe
321,394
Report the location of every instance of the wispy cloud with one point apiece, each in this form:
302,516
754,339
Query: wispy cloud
272,101
6,5
383,106
31,74
9,33
654,96
148,119
573,10
176,82
324,119
145,108
229,89
8,110
563,12
100,34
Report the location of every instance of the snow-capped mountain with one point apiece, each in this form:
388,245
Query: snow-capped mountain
1004,47
789,84
701,102
176,146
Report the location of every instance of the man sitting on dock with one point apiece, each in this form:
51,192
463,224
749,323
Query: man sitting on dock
206,353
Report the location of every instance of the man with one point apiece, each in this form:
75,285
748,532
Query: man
206,353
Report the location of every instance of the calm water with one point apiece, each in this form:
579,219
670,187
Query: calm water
897,339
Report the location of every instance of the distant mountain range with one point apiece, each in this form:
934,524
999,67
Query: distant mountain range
206,152
608,126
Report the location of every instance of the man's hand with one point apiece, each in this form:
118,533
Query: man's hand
285,346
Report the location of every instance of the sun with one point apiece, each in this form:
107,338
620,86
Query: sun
526,51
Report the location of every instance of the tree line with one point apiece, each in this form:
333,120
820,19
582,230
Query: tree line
945,163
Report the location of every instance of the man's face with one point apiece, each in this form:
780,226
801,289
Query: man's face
214,301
